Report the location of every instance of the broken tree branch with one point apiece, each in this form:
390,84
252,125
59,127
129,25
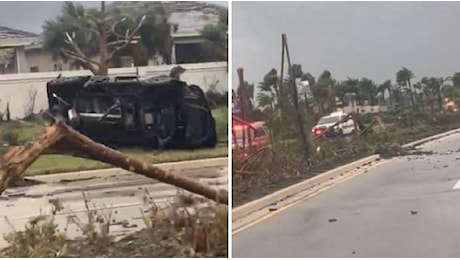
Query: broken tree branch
77,51
82,58
16,160
128,37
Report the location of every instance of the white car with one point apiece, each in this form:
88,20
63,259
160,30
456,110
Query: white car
342,129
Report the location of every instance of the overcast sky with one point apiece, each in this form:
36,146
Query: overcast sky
30,16
351,39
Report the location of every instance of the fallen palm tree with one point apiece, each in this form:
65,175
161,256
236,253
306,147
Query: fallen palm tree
62,139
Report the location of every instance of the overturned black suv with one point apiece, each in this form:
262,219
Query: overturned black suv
155,112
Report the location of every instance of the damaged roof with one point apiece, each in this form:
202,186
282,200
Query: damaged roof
7,32
190,16
10,37
192,22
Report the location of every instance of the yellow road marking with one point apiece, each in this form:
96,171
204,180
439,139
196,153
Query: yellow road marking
301,199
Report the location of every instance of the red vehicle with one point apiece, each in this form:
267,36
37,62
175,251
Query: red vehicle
255,136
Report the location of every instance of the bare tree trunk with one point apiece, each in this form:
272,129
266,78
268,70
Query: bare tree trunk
103,66
295,97
16,160
104,154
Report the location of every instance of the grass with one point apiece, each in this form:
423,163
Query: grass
48,164
221,117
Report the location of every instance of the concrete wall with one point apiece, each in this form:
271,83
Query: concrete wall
367,109
15,87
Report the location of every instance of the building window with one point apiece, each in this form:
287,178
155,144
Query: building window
34,69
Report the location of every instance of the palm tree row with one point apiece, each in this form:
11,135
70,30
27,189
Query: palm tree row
324,91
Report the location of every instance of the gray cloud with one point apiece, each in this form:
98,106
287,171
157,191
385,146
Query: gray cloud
30,16
351,39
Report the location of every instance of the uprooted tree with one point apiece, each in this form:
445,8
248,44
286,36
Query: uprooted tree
62,139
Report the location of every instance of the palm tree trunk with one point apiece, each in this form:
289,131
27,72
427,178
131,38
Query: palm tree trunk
18,159
116,158
103,51
390,98
439,99
411,94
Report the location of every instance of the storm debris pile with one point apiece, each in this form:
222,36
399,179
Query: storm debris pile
186,228
281,164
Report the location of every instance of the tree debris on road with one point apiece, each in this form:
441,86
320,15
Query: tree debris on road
60,138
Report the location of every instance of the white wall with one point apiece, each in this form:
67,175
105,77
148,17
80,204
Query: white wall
366,109
15,87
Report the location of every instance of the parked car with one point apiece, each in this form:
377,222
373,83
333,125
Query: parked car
342,129
258,134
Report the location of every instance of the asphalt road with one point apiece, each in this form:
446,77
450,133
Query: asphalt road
125,195
404,207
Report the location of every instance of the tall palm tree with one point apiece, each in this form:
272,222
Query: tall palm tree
73,18
367,90
434,85
323,91
270,84
403,78
386,87
420,94
79,34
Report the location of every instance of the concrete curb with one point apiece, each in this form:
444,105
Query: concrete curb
107,186
176,166
431,138
280,195
264,202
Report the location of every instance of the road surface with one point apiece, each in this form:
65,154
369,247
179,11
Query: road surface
404,207
126,195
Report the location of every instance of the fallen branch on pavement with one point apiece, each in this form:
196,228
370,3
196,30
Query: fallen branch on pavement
63,139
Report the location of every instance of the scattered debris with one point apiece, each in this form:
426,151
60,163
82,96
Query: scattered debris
62,139
80,179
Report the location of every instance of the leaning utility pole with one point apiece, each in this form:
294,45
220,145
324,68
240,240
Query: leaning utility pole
244,107
295,100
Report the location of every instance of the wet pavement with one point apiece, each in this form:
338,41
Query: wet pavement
405,207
